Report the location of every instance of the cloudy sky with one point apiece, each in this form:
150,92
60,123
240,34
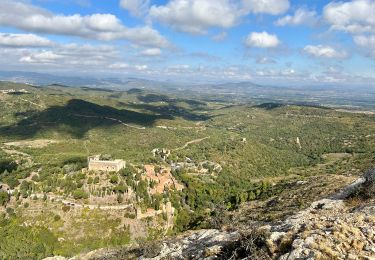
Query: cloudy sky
265,41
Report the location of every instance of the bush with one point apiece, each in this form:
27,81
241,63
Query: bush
80,194
4,198
19,242
120,198
96,180
7,165
10,211
65,208
56,218
114,179
12,182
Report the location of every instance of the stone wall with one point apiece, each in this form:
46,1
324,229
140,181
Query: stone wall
108,166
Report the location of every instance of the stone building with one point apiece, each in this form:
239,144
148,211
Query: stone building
95,164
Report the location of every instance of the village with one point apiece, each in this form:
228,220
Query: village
114,185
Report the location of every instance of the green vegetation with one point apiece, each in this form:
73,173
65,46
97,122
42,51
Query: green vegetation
19,242
258,148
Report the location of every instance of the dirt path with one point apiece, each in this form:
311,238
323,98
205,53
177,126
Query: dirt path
191,142
37,143
32,103
15,152
112,119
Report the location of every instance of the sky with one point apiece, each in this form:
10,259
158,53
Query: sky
278,42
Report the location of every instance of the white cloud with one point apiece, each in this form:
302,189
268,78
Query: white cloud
96,26
121,66
135,7
323,51
265,60
262,40
197,16
151,52
23,40
355,16
141,67
219,37
44,57
301,16
118,66
367,42
288,73
273,7
71,54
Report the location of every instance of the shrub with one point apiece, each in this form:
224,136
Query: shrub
96,180
4,198
65,208
114,179
120,198
10,211
80,194
56,218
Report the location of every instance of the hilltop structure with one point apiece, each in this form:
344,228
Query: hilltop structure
96,164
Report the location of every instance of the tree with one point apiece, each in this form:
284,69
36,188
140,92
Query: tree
12,182
114,179
4,198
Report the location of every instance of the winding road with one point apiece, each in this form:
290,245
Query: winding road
112,119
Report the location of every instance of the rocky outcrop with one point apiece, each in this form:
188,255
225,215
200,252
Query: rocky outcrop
332,228
341,226
329,229
203,244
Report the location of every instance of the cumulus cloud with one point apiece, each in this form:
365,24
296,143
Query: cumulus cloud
262,40
367,42
151,52
44,57
197,16
71,54
301,16
273,7
104,27
136,7
355,16
23,40
324,51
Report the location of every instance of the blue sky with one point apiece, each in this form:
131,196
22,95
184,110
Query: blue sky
280,42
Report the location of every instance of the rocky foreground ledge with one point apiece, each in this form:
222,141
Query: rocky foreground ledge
339,227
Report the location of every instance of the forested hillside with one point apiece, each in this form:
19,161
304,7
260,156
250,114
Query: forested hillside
221,153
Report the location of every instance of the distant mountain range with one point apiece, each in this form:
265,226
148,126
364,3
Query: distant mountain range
342,95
